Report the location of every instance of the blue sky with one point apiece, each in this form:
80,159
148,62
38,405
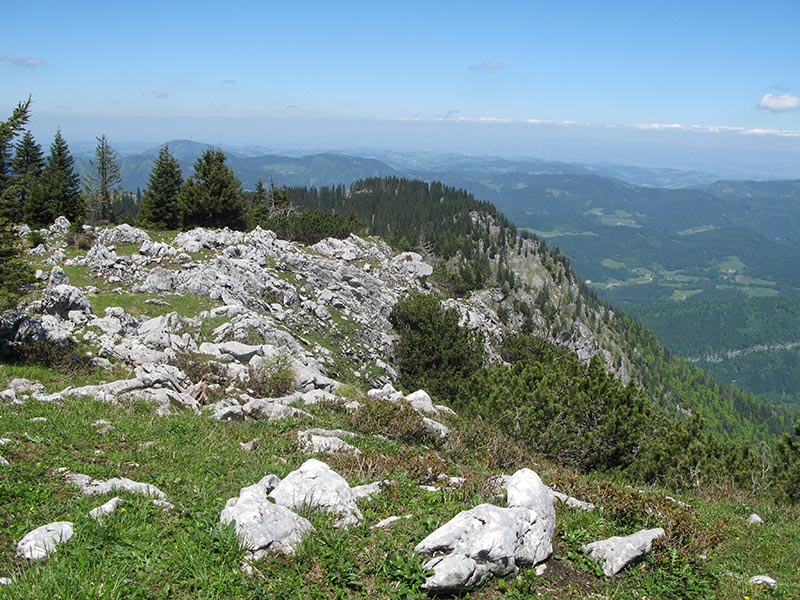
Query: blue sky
504,77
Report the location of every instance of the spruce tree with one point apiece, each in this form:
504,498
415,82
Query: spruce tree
15,273
212,197
60,192
101,184
160,207
9,129
27,167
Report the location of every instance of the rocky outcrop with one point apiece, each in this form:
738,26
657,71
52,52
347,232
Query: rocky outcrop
157,383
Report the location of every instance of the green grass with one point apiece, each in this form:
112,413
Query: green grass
186,305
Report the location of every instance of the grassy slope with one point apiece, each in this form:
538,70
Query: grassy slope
143,552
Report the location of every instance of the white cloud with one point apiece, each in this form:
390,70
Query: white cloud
228,81
659,126
454,117
27,61
488,66
780,102
777,132
160,93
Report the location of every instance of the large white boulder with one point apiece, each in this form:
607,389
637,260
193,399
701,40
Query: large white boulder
263,526
484,541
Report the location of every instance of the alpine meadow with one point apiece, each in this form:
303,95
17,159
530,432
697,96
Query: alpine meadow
350,301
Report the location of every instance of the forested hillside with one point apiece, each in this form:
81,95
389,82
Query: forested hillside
415,214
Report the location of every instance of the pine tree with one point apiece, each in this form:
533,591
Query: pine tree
27,167
60,192
160,206
212,197
101,184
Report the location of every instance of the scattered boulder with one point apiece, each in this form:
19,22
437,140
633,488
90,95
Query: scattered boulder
315,485
384,523
754,519
60,300
228,413
40,542
267,408
489,540
122,234
484,541
435,428
618,552
570,501
57,277
250,446
263,526
763,580
95,487
323,441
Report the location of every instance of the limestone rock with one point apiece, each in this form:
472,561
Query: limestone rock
570,501
261,525
270,409
618,552
484,541
40,542
122,234
324,442
421,402
384,523
435,428
762,580
104,509
315,485
369,489
227,414
57,277
60,300
754,519
95,487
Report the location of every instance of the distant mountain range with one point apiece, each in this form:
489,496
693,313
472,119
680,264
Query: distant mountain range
252,163
313,170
